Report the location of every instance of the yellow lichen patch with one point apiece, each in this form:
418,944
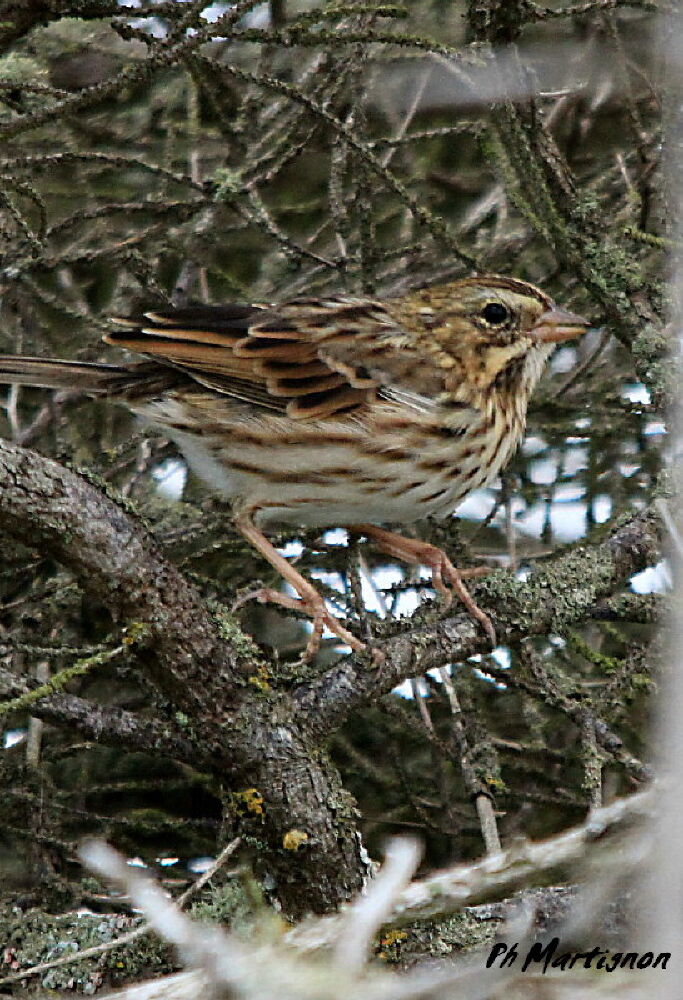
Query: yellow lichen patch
495,783
389,943
252,799
392,938
294,839
261,679
135,632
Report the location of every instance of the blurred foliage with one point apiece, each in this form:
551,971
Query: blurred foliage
162,157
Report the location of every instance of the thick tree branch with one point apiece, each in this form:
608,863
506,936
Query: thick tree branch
110,725
562,592
498,875
271,741
48,507
255,737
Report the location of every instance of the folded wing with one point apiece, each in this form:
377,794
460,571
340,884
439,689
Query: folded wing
310,358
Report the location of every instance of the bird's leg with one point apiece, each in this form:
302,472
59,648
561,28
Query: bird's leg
414,551
309,600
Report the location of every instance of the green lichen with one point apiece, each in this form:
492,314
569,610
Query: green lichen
568,585
15,68
470,929
31,937
609,664
229,904
228,629
659,371
59,680
229,183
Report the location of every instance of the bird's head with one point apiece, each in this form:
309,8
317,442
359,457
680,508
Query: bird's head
493,331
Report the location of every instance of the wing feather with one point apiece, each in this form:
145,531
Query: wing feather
311,358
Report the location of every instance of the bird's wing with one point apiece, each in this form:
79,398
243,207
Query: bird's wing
310,358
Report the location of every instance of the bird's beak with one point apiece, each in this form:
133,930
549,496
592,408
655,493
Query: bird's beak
557,325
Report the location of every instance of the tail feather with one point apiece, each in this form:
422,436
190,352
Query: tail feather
48,373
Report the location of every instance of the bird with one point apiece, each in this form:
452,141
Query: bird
336,410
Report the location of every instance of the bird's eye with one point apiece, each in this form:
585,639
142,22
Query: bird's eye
495,313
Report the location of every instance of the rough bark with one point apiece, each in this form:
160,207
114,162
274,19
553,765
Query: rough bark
267,745
563,591
280,780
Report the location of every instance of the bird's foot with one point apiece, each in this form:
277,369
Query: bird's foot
313,606
309,602
446,578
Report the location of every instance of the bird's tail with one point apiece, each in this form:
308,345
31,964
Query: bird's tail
82,376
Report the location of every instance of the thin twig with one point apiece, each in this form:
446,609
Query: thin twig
125,939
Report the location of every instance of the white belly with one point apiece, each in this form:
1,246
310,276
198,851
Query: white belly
331,474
